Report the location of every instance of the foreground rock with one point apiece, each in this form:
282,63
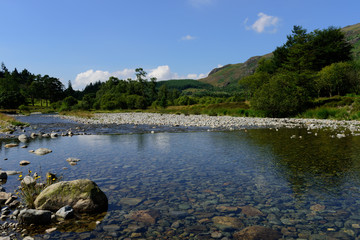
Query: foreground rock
33,216
257,233
82,195
65,212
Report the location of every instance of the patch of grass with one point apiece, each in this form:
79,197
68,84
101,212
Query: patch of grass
339,113
81,114
29,192
7,121
236,109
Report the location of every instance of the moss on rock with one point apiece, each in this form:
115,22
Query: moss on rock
83,195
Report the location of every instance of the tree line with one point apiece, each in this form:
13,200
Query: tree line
308,65
18,88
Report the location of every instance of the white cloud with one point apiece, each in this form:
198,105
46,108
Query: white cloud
165,73
91,76
161,73
187,38
264,22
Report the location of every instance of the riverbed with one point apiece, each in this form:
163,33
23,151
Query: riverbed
303,183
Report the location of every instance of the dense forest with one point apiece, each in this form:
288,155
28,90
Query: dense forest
309,66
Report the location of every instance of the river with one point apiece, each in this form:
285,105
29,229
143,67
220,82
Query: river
300,183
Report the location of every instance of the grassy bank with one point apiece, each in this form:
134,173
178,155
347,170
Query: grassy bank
7,122
337,108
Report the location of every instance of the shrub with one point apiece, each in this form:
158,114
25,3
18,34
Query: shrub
29,192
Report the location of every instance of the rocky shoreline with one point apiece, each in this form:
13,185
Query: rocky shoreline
216,122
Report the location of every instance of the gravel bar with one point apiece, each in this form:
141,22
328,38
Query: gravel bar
216,122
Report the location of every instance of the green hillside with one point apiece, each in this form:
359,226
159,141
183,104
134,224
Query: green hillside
229,75
184,84
352,34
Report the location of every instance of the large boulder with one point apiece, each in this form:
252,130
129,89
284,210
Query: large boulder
83,195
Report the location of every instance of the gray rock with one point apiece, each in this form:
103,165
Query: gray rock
53,135
24,163
5,211
42,151
83,195
4,197
34,216
33,135
22,138
45,135
65,212
71,159
27,181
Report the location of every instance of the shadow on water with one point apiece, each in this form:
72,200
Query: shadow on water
310,163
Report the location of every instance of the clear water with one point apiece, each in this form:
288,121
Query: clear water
187,176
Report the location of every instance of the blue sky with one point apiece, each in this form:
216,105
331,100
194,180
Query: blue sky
89,40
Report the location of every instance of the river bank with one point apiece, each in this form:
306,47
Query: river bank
136,122
215,122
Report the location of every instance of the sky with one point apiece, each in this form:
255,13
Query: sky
84,41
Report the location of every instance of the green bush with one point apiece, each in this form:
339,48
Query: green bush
24,108
281,97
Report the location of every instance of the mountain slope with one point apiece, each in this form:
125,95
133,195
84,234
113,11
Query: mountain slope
231,74
352,34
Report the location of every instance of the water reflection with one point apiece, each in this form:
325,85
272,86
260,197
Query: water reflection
191,177
311,163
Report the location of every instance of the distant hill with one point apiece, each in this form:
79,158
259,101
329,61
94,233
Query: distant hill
183,84
352,34
230,74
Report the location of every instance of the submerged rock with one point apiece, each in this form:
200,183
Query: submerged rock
227,223
130,201
83,195
257,232
145,216
250,211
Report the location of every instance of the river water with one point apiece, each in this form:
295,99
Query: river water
302,184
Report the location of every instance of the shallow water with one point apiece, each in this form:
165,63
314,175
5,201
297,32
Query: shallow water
188,176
